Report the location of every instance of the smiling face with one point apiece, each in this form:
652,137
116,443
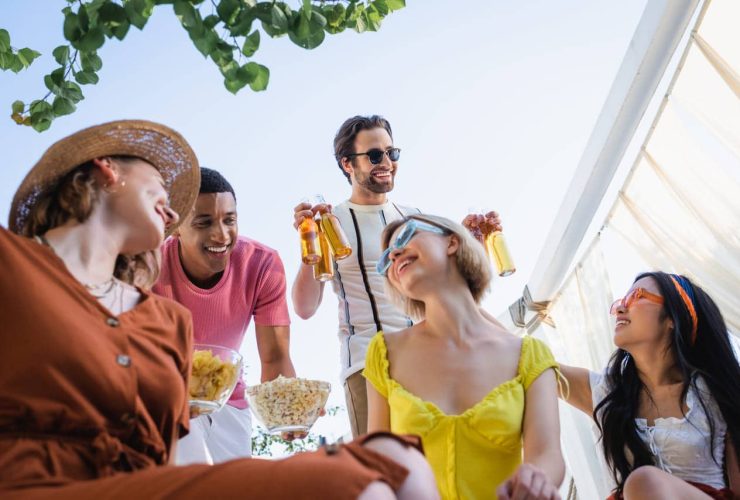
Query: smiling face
644,322
363,174
141,200
207,237
423,254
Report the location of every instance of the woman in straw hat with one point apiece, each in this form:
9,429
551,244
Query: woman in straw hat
93,385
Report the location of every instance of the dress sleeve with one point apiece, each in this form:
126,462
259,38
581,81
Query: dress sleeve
271,307
535,359
376,364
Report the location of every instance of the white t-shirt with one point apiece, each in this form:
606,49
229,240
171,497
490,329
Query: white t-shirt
680,446
364,306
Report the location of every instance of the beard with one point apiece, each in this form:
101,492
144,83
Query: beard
371,184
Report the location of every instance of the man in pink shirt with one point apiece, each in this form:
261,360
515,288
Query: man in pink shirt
225,280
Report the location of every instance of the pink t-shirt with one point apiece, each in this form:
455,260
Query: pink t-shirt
253,284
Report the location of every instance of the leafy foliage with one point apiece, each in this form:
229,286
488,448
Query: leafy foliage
226,31
265,444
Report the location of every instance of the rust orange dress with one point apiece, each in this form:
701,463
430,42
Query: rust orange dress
91,403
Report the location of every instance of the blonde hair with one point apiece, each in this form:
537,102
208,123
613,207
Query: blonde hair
471,260
73,198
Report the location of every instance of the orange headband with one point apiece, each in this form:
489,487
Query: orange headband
690,306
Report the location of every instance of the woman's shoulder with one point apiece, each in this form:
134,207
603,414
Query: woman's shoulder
534,351
398,339
10,240
534,359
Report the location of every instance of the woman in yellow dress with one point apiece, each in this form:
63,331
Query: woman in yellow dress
484,401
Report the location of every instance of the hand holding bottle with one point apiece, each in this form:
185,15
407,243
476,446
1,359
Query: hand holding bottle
486,228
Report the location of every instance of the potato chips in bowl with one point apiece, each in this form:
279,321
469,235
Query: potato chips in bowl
213,376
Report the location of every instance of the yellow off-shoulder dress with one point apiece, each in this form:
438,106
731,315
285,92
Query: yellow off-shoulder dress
471,454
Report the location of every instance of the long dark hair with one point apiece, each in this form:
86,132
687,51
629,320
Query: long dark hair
710,356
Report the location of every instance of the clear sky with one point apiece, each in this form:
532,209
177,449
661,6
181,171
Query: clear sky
491,101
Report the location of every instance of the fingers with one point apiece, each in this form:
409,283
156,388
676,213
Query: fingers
504,491
322,412
485,224
470,221
301,212
304,211
551,493
321,208
531,483
537,487
522,482
494,221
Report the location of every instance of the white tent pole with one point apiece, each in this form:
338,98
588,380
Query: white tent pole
656,38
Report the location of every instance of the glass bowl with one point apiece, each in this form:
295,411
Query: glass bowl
213,376
288,404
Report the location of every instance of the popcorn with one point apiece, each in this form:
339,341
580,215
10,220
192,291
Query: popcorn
288,404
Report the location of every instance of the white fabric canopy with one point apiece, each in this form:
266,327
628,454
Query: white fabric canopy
679,210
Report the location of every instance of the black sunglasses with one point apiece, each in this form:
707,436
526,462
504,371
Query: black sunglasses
376,155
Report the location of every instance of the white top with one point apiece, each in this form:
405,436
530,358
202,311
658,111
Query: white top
364,306
681,446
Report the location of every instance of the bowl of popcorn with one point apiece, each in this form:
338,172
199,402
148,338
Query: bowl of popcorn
288,404
213,376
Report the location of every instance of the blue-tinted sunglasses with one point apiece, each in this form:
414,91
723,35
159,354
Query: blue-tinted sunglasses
404,236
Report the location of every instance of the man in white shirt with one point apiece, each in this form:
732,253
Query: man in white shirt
366,155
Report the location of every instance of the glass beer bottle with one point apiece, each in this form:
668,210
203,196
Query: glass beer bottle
493,242
498,251
332,228
323,270
310,246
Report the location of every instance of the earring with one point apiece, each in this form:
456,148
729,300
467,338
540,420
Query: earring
110,187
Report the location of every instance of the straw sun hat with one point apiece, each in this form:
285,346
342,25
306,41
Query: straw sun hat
157,144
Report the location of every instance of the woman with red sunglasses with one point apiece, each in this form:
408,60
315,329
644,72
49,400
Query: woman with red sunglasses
668,403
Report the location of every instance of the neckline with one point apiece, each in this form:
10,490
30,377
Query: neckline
85,292
369,208
434,408
664,421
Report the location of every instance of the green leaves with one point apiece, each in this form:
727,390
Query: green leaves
63,106
27,56
308,32
18,107
228,11
86,77
261,77
394,5
251,44
71,27
278,24
61,54
92,40
90,61
15,61
4,41
226,35
138,11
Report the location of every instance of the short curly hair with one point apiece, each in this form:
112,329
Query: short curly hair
212,181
